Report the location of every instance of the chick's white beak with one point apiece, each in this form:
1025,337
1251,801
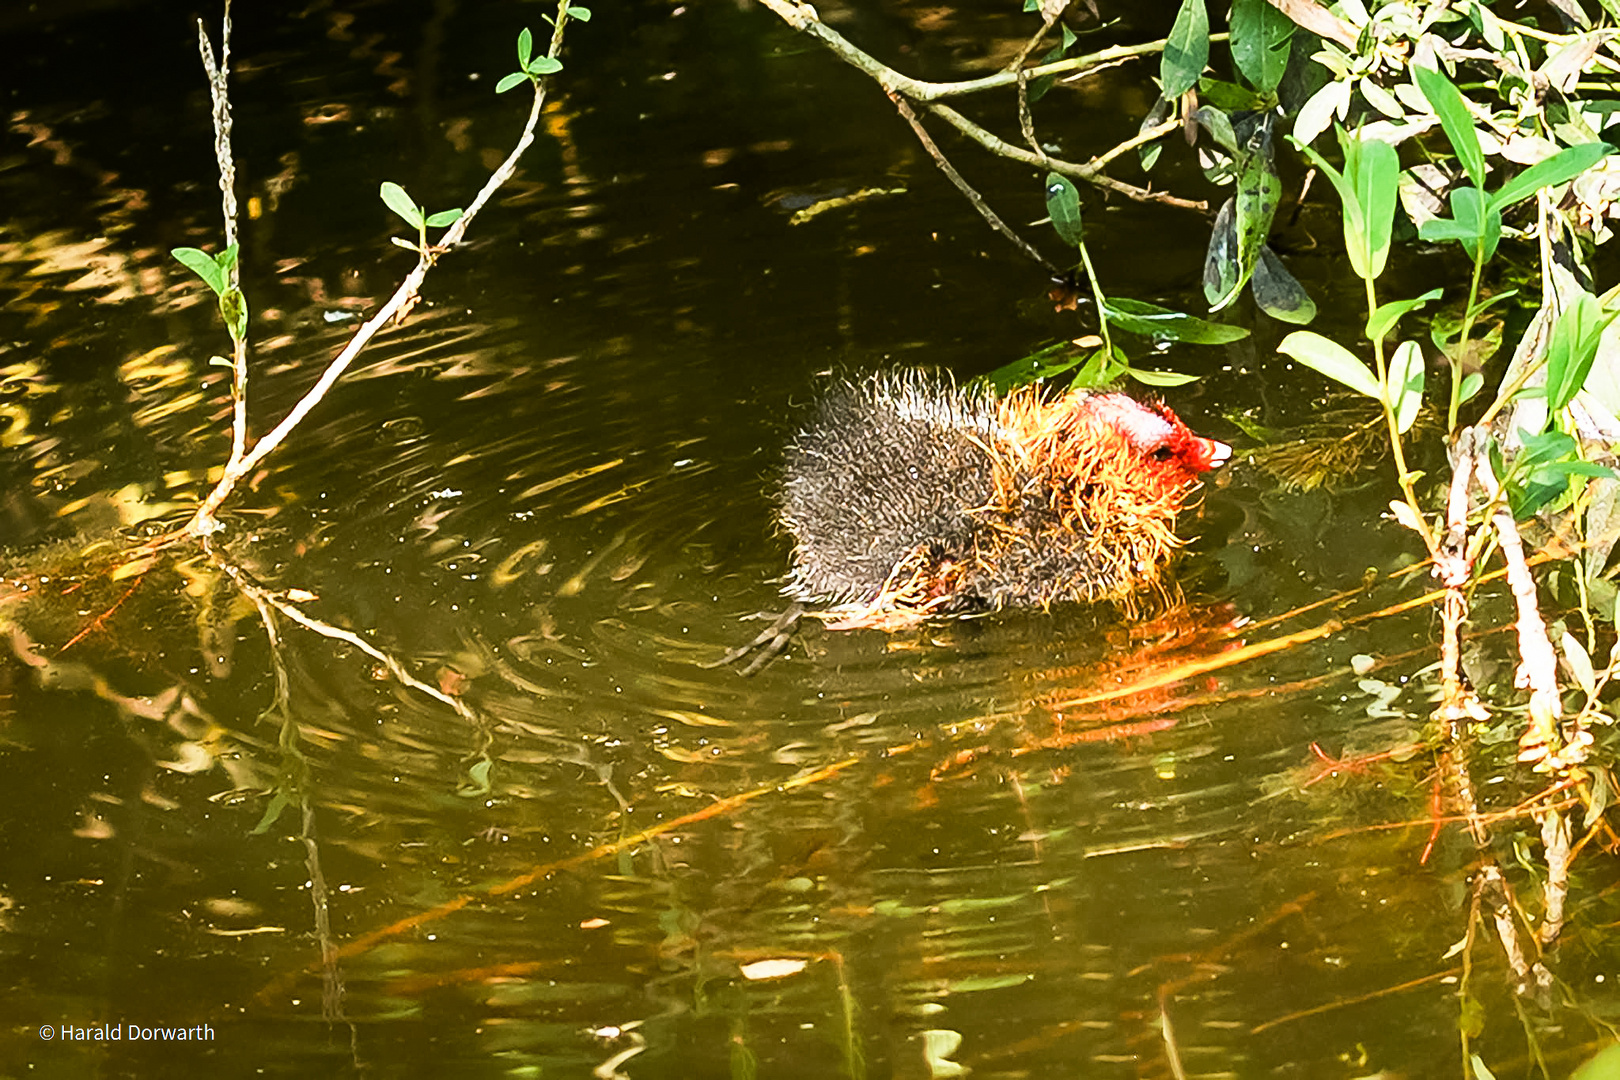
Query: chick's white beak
1215,452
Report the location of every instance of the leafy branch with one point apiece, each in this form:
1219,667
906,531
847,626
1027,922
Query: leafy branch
219,272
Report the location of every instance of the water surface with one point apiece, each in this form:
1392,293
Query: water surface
1001,844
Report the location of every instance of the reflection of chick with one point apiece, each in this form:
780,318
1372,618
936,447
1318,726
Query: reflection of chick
908,497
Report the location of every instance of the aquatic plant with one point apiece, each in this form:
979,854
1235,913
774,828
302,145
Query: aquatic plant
220,272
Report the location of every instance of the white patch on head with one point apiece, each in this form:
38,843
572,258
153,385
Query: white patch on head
1146,429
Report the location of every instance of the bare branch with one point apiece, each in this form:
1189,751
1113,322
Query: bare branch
1091,174
965,188
1538,663
218,75
219,93
802,17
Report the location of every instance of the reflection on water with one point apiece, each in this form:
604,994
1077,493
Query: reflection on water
1030,845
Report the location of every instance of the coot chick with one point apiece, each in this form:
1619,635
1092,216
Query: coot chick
908,497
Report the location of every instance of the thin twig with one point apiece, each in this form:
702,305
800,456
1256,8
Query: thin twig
1090,173
218,78
1026,123
802,17
1158,131
1172,1052
263,596
219,93
1531,975
964,187
203,521
1047,22
1026,120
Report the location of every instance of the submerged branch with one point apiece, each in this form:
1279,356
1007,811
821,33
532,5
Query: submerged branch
266,599
512,886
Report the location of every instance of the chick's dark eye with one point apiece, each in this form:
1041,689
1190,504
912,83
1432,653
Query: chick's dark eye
1163,453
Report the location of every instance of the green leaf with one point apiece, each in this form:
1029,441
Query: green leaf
1563,166
233,308
1383,320
1244,222
401,203
1186,51
1229,96
1545,447
1354,227
1260,40
1223,274
1219,125
1481,221
1100,369
1604,1065
1372,171
1259,193
1472,384
443,218
525,47
1278,293
1160,378
226,260
584,14
1405,388
510,81
1572,347
1331,359
1475,221
1161,111
1478,1066
1052,360
544,65
278,802
1165,324
1038,87
1455,118
1440,229
1584,468
203,265
478,777
1525,499
1063,204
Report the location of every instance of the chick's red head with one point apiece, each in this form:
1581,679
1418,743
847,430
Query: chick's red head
1158,434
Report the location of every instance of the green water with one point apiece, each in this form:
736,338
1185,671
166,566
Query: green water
548,495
